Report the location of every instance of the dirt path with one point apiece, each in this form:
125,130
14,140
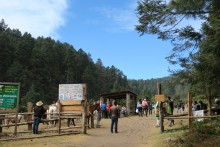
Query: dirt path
134,131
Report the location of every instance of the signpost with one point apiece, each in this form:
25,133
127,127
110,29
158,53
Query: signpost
71,91
160,98
72,98
9,99
8,95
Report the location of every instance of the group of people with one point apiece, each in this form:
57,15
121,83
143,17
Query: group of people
112,110
180,107
105,109
198,106
114,113
144,107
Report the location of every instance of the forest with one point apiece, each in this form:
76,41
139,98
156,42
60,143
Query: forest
41,64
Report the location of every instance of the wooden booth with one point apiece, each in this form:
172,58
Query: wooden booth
129,96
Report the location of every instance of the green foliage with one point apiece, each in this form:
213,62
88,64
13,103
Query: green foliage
41,64
201,133
210,128
200,97
23,108
178,90
184,127
200,128
207,127
196,52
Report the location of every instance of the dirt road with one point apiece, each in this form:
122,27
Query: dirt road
134,131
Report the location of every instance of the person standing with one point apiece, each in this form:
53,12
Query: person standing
183,107
108,109
104,110
139,107
38,114
157,112
114,114
170,110
144,107
178,106
217,107
150,107
195,106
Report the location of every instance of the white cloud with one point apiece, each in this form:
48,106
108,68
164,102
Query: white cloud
37,17
123,18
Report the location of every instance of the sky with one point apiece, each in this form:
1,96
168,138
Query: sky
103,28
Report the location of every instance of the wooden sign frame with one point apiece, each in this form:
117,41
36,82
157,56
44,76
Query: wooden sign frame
160,98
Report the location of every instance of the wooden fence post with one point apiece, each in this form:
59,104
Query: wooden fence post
59,119
209,102
190,109
1,120
92,121
29,116
161,109
84,114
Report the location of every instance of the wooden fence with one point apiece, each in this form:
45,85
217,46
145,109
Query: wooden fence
188,115
68,110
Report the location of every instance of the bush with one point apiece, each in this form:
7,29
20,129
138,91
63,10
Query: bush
201,132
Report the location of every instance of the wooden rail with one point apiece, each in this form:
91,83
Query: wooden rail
26,123
170,117
76,112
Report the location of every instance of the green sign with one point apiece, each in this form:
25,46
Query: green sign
8,95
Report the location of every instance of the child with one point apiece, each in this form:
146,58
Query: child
157,112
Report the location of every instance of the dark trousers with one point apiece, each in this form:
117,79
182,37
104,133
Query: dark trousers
114,123
36,125
104,114
144,109
218,111
150,111
140,111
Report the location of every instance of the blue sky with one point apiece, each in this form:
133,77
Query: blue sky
103,28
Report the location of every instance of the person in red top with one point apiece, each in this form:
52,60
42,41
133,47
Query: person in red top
144,107
98,102
108,108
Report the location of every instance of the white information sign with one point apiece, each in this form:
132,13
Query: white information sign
70,91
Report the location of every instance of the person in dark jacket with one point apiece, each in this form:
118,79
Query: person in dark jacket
114,114
170,112
38,114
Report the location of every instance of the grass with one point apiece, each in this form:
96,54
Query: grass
206,133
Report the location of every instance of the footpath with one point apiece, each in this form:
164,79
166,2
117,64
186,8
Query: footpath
134,131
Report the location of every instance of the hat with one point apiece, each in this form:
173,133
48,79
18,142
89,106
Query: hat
144,99
39,103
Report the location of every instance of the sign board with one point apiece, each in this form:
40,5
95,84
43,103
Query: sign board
71,91
160,98
9,95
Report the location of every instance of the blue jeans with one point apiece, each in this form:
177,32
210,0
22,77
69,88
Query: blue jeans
36,125
114,122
